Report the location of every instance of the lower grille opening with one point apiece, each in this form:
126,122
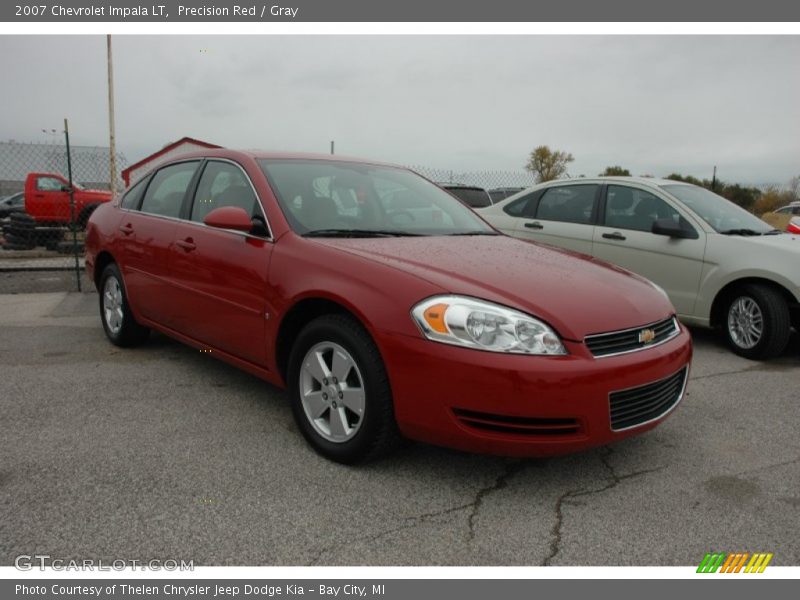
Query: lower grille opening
530,426
647,402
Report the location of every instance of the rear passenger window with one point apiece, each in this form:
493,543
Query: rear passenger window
521,207
167,188
568,203
631,208
130,200
223,184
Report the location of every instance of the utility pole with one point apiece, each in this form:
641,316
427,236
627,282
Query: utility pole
112,146
714,179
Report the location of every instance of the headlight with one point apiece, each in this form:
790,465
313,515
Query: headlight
484,326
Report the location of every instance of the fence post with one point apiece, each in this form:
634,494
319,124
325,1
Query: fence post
73,220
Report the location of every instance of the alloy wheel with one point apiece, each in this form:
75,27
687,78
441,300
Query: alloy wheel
112,305
332,392
745,322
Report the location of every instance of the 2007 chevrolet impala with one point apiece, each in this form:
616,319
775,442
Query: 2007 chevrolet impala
385,306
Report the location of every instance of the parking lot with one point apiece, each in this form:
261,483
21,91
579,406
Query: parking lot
163,452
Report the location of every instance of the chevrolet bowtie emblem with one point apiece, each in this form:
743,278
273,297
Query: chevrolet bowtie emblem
646,336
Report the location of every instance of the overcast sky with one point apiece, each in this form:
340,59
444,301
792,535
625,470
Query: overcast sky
653,104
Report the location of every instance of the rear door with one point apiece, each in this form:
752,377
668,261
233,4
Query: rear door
146,234
220,276
623,237
563,215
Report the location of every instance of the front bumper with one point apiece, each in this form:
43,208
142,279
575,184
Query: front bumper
519,405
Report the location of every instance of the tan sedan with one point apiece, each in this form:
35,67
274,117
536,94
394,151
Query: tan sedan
720,265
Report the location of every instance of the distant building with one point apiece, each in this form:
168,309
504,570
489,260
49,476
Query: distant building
90,164
182,146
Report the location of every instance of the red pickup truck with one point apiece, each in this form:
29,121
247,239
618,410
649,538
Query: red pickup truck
47,200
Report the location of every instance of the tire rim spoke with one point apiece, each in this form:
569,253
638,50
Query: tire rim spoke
353,399
314,403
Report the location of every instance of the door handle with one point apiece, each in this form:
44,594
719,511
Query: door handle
534,225
187,244
614,236
126,229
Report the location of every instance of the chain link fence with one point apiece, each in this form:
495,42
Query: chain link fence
488,180
42,218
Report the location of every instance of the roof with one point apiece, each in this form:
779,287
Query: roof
165,149
651,181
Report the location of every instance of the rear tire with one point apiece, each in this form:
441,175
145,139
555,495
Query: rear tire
348,417
115,313
756,322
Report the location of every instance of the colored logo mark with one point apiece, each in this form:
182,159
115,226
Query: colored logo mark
735,562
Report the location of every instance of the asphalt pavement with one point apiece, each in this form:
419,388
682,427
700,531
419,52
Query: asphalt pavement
163,452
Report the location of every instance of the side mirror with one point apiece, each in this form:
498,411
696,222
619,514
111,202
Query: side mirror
672,229
229,217
65,188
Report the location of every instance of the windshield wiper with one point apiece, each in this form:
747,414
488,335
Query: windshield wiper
742,231
358,233
774,232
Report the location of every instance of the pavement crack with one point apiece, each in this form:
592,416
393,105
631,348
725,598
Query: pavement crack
613,480
512,468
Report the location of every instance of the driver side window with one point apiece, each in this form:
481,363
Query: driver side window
223,184
48,184
632,208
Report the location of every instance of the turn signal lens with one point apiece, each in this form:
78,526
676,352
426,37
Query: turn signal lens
434,317
482,325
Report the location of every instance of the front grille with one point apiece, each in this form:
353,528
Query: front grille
547,426
630,340
639,405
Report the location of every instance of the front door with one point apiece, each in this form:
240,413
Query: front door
624,238
220,276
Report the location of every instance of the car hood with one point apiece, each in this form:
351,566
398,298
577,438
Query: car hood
574,293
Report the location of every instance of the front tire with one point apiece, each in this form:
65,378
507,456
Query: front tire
757,322
115,313
340,393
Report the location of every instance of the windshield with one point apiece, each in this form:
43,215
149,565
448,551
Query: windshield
723,215
332,198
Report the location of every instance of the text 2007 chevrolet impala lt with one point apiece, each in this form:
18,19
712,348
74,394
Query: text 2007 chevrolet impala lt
385,307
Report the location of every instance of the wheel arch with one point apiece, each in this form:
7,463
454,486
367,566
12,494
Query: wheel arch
717,315
102,260
302,312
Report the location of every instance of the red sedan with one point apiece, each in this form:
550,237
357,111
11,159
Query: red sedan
385,306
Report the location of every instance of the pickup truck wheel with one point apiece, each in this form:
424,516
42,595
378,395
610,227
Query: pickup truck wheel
340,393
118,322
757,322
